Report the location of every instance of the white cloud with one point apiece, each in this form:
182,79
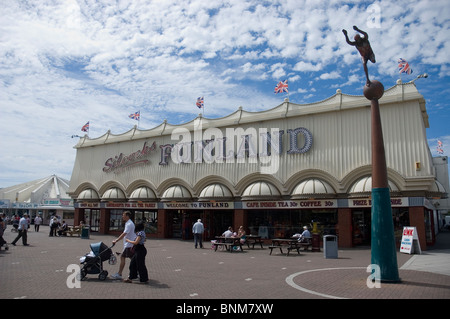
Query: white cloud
64,62
305,67
352,78
278,71
294,78
330,75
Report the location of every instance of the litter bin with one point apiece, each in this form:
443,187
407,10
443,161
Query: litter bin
85,232
330,247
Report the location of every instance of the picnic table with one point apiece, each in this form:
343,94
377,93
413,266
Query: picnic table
287,243
306,243
253,240
74,230
228,242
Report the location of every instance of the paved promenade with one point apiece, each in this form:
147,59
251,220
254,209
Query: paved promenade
42,270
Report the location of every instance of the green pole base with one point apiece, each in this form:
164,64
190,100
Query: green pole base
384,252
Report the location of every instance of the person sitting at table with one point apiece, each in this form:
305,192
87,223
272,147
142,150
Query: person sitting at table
228,233
63,229
305,236
241,234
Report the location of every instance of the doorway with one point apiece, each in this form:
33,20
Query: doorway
92,218
361,222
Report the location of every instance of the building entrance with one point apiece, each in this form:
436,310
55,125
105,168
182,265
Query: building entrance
361,222
92,218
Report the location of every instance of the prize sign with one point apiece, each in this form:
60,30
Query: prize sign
410,241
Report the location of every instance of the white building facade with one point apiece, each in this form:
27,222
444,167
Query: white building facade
46,197
272,171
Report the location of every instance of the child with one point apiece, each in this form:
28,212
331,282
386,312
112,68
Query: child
137,264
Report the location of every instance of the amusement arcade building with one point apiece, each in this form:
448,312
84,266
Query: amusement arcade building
272,171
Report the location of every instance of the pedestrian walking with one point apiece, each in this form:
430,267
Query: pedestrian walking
3,222
23,229
128,233
37,223
137,263
198,230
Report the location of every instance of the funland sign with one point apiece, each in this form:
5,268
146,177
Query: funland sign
212,146
120,162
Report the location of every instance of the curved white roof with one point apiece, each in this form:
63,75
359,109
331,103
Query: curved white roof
88,195
176,192
143,193
339,101
364,185
114,193
37,191
260,190
217,191
312,187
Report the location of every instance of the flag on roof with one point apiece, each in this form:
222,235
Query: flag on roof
403,66
85,127
281,87
440,150
200,102
135,116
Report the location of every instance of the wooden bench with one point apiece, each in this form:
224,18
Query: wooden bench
73,231
271,247
228,246
293,247
306,244
254,243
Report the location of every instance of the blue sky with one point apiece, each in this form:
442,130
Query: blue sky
63,63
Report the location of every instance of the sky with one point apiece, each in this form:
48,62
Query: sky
65,63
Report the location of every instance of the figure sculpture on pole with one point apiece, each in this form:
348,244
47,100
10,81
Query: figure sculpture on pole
364,48
382,228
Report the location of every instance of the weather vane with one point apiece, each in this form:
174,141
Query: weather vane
364,48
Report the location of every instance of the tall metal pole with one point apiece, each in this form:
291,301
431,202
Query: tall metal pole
382,236
383,251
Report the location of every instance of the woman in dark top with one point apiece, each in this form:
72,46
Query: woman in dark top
137,264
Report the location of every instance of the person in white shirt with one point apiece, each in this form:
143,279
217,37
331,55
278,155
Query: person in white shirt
37,223
228,233
198,230
306,235
23,229
128,233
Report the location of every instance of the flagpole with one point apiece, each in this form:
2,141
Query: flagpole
201,104
139,119
85,128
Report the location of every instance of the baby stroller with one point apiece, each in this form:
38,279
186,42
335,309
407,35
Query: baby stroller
93,261
15,227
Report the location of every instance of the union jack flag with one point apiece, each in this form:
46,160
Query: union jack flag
403,67
135,116
200,103
281,87
440,150
85,127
